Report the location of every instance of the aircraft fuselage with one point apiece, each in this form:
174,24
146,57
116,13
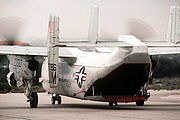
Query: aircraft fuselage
100,72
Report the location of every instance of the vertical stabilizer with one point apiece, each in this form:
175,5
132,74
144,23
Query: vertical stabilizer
53,49
173,34
93,24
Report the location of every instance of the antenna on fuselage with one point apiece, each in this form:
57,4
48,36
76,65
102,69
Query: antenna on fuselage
93,24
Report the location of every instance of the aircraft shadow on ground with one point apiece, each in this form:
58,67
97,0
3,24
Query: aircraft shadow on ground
162,107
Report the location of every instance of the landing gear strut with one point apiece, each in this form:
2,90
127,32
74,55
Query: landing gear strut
142,92
56,98
31,96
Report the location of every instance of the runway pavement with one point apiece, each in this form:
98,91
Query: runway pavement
163,105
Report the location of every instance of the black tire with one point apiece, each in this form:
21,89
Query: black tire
53,99
13,82
34,101
139,103
110,104
59,99
115,103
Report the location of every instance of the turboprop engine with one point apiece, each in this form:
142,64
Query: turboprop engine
33,65
21,68
11,80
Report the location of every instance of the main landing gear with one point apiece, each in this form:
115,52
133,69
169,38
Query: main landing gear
140,103
31,96
34,100
142,92
56,98
111,104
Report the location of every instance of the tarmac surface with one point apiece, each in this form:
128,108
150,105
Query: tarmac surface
162,105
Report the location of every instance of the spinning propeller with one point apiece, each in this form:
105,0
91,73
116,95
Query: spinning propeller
10,29
140,29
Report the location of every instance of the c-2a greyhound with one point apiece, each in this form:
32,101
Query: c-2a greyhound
99,70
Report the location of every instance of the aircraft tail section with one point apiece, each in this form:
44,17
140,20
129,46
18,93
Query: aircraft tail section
53,49
93,24
173,32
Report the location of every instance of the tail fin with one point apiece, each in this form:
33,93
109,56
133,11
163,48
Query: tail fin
93,25
173,34
53,50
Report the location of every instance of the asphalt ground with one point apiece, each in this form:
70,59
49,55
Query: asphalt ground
162,105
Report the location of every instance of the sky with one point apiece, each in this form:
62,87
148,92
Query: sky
143,18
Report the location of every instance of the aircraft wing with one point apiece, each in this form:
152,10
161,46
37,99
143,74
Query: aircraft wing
154,47
23,50
164,50
32,51
102,43
162,47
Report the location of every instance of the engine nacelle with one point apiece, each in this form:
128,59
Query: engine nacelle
11,80
33,65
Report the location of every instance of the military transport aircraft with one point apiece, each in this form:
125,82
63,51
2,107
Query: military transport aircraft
93,69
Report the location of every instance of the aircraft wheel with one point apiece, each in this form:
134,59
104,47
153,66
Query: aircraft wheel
116,104
59,99
139,103
34,100
110,104
53,99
